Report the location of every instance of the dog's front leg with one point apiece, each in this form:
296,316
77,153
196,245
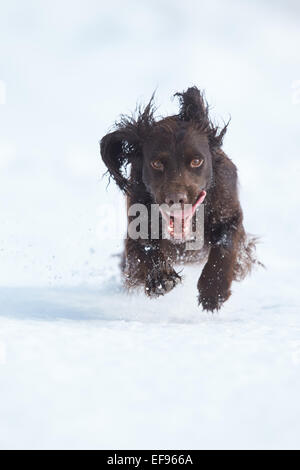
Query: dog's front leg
217,275
146,265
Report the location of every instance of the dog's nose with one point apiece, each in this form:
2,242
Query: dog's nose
176,198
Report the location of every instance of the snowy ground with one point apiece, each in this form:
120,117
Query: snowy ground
83,364
95,368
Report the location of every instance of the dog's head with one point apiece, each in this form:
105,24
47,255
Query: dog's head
171,158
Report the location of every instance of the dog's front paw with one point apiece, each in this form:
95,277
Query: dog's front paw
212,297
212,303
161,282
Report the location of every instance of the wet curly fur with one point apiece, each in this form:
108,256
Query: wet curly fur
230,253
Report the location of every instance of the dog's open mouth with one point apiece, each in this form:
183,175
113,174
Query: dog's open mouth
178,218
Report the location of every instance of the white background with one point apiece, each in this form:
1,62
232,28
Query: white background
83,365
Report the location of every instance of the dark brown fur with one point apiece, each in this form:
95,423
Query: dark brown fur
137,141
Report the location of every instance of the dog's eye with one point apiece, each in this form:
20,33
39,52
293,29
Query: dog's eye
157,165
196,162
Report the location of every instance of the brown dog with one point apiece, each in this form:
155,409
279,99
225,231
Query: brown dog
178,160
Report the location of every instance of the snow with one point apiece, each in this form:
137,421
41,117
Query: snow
95,368
83,364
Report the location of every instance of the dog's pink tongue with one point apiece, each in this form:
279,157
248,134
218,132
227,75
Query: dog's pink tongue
180,214
189,210
200,199
180,223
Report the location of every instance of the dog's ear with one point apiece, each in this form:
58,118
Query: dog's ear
124,145
118,149
194,107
